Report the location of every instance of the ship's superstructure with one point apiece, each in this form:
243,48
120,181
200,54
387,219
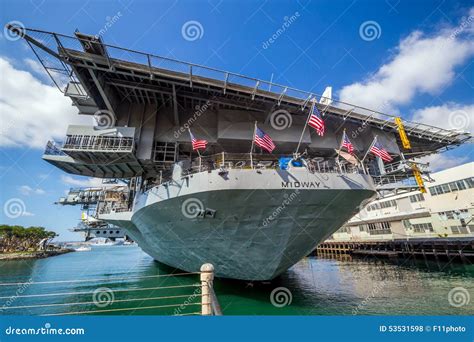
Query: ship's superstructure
253,215
445,210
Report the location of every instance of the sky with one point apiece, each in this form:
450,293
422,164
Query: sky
409,58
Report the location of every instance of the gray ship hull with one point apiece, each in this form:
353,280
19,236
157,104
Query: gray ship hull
249,226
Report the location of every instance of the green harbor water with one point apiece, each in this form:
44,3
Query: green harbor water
123,283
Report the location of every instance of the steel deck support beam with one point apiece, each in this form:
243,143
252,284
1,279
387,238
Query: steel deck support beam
102,92
175,106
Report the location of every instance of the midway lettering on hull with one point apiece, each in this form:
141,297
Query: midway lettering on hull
300,184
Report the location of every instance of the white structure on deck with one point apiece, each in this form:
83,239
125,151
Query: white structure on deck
446,210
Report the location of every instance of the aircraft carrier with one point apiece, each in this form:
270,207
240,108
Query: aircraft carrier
249,214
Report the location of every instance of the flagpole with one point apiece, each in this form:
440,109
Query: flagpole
306,124
340,145
253,140
366,153
197,150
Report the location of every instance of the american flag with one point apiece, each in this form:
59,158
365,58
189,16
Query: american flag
316,121
198,144
263,140
346,143
379,151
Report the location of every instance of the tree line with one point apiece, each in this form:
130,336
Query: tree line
22,239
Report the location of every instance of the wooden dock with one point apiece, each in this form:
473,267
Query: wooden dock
461,249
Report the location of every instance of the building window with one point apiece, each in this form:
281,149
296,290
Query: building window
344,230
388,204
459,230
461,185
446,215
458,185
377,228
417,198
422,227
471,228
454,214
381,205
374,206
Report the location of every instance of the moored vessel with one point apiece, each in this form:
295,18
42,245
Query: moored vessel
251,213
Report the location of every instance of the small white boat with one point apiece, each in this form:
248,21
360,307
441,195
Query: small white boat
82,249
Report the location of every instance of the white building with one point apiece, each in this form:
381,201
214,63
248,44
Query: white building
446,210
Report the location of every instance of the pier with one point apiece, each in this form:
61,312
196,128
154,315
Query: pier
453,249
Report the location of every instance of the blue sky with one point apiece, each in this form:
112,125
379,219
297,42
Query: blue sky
419,64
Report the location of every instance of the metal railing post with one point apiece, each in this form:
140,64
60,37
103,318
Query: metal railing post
207,277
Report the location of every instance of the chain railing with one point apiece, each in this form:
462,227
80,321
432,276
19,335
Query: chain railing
98,143
225,161
106,299
53,148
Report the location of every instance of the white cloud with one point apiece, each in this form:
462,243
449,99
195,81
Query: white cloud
82,182
442,161
35,66
27,190
30,111
450,116
420,65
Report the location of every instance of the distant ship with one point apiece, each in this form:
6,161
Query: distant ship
90,226
250,213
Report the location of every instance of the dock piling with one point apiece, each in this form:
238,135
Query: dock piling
207,278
